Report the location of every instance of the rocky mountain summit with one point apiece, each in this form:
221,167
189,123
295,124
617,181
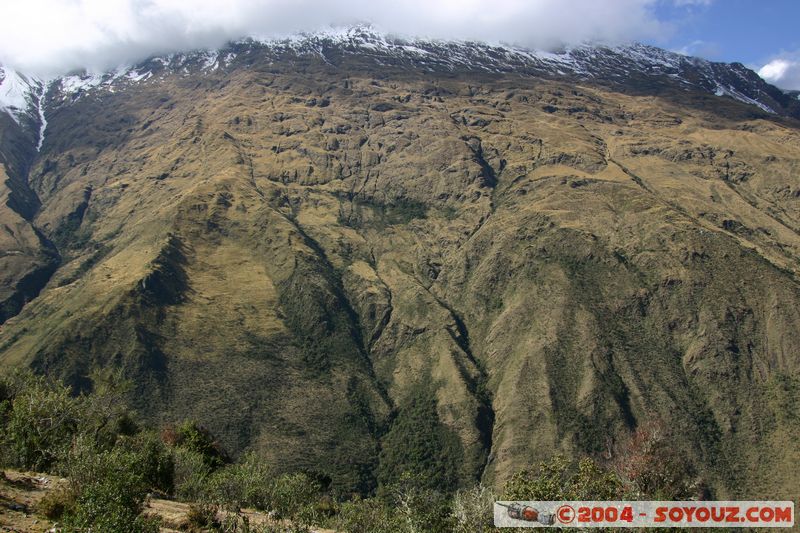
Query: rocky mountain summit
630,67
329,246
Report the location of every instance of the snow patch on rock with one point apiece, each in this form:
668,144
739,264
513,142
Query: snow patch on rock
17,92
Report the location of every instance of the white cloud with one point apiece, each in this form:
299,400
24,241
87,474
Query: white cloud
699,48
50,36
783,71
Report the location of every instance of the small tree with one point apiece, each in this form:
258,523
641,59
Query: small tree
652,467
564,479
248,483
156,461
105,415
420,508
473,510
293,496
371,515
109,489
40,417
193,437
191,474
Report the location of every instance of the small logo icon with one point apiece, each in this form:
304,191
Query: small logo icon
565,514
527,513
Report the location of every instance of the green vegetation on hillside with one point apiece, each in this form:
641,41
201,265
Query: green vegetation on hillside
112,464
419,447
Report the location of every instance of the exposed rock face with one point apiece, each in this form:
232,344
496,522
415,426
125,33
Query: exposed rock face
27,258
286,245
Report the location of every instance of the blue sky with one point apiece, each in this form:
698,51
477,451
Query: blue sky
748,31
50,37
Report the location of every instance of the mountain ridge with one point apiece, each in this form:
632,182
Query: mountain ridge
610,64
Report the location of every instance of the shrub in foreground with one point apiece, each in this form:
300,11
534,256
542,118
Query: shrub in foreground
371,514
564,479
473,510
109,489
295,496
38,419
192,475
248,483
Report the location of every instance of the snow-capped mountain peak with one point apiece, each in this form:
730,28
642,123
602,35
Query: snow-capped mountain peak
623,66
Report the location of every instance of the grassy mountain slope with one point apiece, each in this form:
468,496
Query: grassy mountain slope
290,252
